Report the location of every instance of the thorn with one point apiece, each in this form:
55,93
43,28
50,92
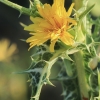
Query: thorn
23,40
20,14
22,24
48,82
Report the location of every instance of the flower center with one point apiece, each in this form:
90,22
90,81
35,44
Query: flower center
61,31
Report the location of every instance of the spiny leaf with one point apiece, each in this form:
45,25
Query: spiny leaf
72,51
39,75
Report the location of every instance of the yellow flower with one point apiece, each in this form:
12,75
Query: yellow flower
52,25
7,50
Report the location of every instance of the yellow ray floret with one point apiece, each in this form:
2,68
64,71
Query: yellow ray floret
52,26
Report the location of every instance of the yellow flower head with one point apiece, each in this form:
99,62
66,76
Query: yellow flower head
7,50
52,26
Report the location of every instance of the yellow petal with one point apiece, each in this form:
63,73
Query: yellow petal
36,19
42,41
29,28
34,28
52,45
70,9
45,10
54,36
70,20
58,7
67,39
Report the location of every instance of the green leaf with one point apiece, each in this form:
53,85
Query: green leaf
80,36
86,12
68,67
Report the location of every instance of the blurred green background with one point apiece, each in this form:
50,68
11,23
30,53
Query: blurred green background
14,54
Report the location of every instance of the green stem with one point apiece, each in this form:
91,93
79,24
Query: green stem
81,75
83,86
22,9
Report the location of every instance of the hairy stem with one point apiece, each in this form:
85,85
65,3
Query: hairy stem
22,9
